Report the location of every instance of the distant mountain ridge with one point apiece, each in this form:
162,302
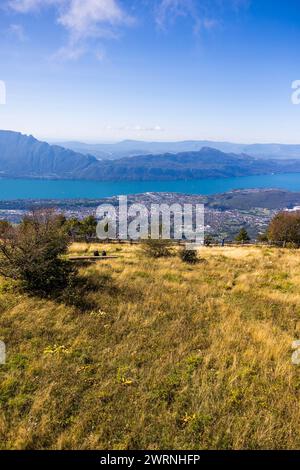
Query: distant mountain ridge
206,163
129,148
24,156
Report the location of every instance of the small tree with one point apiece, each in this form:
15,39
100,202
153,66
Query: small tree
72,227
242,236
285,228
32,253
263,237
208,240
4,226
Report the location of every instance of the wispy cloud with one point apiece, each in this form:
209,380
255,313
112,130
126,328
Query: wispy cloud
82,20
136,128
17,31
206,14
169,10
92,18
26,6
70,51
90,21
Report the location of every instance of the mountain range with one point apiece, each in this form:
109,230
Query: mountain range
129,148
24,156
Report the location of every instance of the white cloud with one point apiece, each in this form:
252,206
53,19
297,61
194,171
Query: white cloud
140,128
82,19
92,17
136,128
88,20
70,52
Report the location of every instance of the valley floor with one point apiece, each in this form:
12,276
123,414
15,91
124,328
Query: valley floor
165,355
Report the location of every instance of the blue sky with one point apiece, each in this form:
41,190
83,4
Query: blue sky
106,70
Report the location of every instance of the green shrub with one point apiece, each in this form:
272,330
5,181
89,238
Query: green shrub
189,256
157,248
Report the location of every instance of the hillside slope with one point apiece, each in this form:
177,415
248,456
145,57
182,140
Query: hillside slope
25,156
205,163
166,356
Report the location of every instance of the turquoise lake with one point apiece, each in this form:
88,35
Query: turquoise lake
11,189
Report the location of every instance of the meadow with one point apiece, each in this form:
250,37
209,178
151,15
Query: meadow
162,355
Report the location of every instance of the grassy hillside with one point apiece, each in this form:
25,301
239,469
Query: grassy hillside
165,355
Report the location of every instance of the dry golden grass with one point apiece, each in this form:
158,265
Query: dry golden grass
171,356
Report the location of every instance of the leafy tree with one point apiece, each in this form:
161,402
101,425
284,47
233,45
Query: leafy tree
242,236
81,228
285,228
88,226
32,253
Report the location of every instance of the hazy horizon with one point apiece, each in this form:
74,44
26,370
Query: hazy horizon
62,140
